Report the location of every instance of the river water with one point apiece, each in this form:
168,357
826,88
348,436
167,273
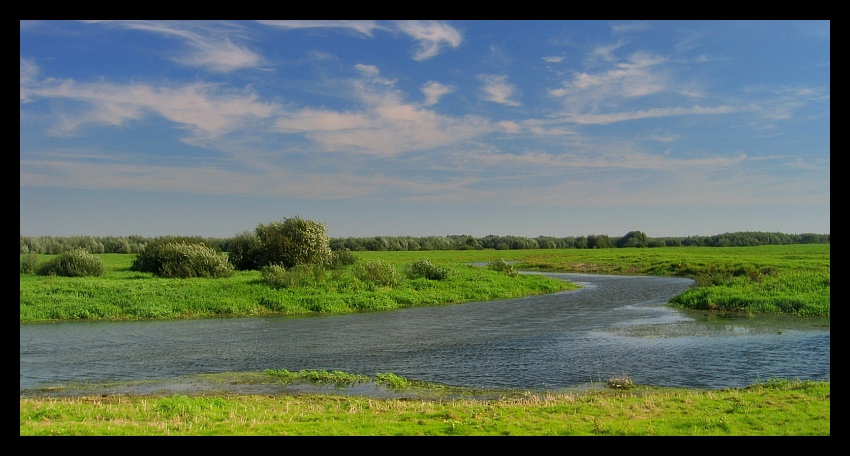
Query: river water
613,326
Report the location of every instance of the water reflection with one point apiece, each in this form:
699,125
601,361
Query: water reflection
614,326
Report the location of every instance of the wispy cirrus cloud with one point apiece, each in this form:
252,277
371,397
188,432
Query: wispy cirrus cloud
363,27
497,89
209,47
602,119
206,110
431,36
29,71
384,124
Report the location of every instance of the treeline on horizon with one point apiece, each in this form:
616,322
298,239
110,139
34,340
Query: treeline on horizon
52,245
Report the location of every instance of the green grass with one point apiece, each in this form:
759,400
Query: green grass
792,279
773,408
122,294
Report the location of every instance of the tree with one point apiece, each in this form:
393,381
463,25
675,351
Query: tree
246,251
293,241
633,239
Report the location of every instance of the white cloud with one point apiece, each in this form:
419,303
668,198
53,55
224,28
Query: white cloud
204,109
431,35
368,70
434,91
498,90
211,46
385,125
554,59
600,119
362,27
28,73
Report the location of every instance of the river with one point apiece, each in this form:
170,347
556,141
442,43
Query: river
613,326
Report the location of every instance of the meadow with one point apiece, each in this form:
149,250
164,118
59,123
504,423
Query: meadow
791,279
123,294
772,408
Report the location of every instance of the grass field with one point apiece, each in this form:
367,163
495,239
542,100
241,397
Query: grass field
791,279
772,408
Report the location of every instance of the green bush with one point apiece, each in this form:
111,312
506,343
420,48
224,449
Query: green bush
503,266
424,268
246,252
341,258
292,242
298,276
29,263
73,263
378,272
150,257
183,260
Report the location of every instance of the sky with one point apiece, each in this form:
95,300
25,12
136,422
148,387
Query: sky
425,128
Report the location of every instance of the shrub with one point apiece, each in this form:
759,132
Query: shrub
246,252
183,260
292,242
503,266
424,268
378,272
29,263
392,380
623,382
73,263
150,258
341,258
297,276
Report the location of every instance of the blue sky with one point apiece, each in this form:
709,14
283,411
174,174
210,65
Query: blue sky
420,128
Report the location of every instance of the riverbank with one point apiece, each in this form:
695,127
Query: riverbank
790,279
122,294
771,408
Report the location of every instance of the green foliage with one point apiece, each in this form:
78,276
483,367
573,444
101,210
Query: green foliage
125,294
246,252
72,263
293,241
337,378
29,263
424,268
182,260
633,239
301,275
340,259
503,266
378,272
392,380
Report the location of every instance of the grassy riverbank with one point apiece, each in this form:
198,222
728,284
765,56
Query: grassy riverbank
122,294
792,279
772,408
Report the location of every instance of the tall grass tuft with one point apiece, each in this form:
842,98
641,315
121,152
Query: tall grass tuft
503,266
378,272
302,275
424,268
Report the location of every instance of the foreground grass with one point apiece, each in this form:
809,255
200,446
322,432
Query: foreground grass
773,408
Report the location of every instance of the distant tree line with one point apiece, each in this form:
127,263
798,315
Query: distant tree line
633,239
